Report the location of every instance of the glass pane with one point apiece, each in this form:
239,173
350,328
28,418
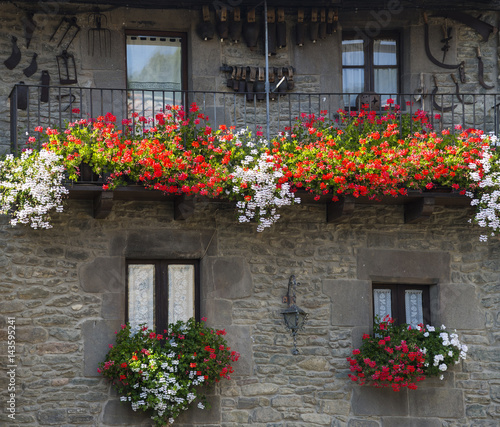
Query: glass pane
180,292
352,82
414,307
382,303
154,70
386,82
384,52
141,295
352,52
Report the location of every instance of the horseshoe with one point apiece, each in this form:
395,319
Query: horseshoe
435,104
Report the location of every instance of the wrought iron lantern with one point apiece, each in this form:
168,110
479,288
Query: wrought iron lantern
294,316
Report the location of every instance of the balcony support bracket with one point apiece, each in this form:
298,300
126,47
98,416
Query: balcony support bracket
103,204
183,207
335,211
419,210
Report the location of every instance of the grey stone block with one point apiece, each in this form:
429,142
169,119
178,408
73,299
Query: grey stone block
437,402
374,401
52,416
410,422
218,311
105,274
362,423
166,244
195,415
232,278
97,335
351,301
403,266
113,306
239,339
118,413
459,307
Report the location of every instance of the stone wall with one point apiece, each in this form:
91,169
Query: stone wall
317,65
65,288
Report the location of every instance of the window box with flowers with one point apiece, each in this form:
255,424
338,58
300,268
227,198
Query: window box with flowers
164,373
360,154
399,356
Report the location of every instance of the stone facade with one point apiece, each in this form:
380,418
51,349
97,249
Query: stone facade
65,287
317,65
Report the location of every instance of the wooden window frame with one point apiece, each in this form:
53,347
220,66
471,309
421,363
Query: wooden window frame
161,288
369,67
166,34
398,302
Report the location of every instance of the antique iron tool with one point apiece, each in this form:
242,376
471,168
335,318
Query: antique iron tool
29,27
14,58
480,70
300,28
428,49
222,24
281,29
32,68
205,29
457,91
98,34
235,26
69,29
67,68
44,93
435,104
481,27
446,40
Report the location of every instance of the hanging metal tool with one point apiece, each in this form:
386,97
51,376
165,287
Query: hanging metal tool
446,39
480,70
67,68
421,92
98,34
435,104
205,29
32,68
69,29
481,27
14,58
236,26
300,28
29,27
281,29
457,91
221,23
428,49
44,94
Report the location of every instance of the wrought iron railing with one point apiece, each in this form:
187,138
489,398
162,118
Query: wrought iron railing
55,106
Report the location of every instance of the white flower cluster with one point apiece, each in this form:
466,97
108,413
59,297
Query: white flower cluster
258,176
159,388
488,205
31,186
447,341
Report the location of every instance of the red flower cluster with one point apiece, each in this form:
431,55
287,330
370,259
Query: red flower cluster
389,358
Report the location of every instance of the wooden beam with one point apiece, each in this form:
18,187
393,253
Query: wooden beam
103,204
183,207
335,211
419,210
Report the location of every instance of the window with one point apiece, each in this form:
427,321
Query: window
161,292
404,303
370,65
156,69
